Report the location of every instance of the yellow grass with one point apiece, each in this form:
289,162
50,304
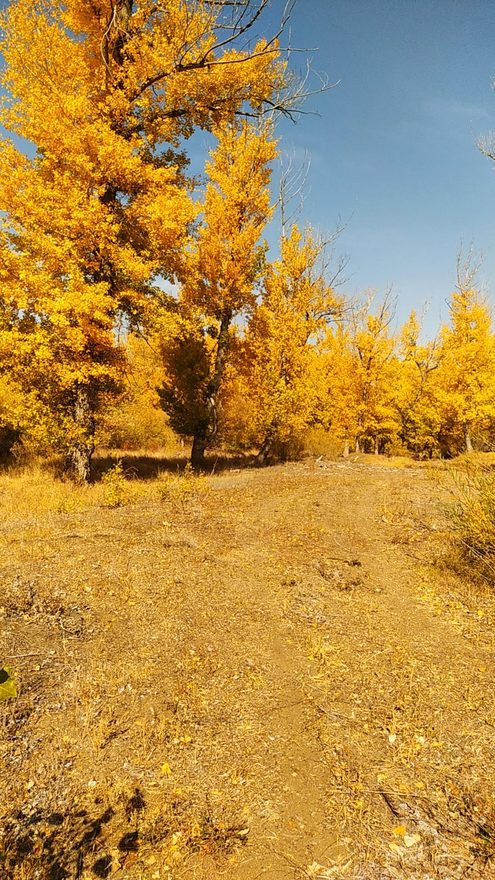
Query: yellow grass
260,673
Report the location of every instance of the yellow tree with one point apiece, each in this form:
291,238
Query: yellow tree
106,92
414,395
280,366
220,279
135,419
466,376
341,367
374,348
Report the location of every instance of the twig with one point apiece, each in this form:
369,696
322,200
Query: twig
33,654
330,714
386,797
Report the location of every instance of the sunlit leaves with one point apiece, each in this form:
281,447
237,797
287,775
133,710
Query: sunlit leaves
8,687
105,92
465,380
279,368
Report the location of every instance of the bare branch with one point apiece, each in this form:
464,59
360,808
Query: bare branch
292,185
243,18
239,28
197,65
468,265
487,146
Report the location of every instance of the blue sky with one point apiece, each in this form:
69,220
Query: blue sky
394,147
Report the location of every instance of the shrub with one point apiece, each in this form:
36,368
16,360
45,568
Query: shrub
473,517
182,488
117,490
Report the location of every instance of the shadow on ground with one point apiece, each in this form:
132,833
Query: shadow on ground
139,467
149,467
62,846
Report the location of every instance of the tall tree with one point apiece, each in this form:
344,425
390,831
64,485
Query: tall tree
341,367
220,278
466,377
373,346
281,368
106,92
414,395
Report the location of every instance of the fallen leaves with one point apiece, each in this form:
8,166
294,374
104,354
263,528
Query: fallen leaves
408,840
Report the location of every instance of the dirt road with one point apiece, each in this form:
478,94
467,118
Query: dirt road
281,677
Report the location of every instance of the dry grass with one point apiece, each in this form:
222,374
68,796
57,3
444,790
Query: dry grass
31,492
472,514
246,675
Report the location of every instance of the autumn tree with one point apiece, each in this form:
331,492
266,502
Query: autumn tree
373,346
466,377
342,389
186,349
279,364
220,279
106,92
414,394
134,419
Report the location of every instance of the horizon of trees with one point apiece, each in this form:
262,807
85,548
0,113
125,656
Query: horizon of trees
248,351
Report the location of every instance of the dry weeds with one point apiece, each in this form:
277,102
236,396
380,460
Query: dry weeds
258,674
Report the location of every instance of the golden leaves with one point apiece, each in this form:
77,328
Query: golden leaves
407,840
224,265
101,211
281,369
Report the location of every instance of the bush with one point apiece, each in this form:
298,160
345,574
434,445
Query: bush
135,425
117,490
473,517
182,488
320,442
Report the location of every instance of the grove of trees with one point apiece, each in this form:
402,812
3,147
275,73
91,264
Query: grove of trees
137,299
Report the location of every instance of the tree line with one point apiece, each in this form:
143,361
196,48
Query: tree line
116,261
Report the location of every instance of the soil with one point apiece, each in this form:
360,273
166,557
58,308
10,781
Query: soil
283,674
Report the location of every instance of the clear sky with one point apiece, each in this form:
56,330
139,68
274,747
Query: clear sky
394,147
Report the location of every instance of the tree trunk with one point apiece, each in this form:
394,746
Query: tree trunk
266,446
83,447
345,453
214,385
205,435
198,451
357,447
467,439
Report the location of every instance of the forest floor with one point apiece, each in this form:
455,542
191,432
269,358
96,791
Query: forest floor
269,674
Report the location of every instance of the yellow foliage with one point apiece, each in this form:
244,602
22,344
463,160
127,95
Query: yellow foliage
465,381
225,264
116,488
97,213
415,398
135,420
279,368
105,92
182,488
220,279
